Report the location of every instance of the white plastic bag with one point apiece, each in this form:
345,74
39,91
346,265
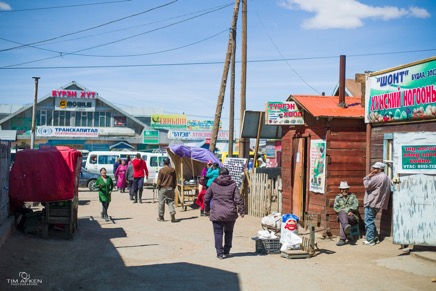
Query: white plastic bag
290,241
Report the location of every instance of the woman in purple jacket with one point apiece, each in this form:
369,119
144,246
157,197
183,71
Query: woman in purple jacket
223,211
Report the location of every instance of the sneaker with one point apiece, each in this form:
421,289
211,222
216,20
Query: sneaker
221,256
347,229
369,243
376,240
341,242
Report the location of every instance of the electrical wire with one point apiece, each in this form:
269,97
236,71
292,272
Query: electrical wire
280,53
66,6
94,27
214,63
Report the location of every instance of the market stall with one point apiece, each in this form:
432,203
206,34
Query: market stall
51,177
188,163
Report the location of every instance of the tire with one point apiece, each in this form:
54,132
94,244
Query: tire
91,185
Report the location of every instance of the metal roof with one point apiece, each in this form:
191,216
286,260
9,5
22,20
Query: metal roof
8,135
327,106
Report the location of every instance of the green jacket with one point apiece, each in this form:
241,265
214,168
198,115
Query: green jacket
347,204
104,189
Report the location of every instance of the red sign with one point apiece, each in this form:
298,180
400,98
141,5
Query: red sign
73,94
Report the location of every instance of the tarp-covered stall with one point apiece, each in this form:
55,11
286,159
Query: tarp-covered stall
50,176
188,163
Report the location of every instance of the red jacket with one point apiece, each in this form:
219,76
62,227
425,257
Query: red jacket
139,168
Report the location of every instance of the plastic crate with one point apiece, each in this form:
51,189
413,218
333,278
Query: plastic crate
268,246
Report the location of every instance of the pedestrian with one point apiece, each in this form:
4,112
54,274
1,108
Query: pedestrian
223,211
377,192
250,164
202,187
345,206
105,185
166,184
212,173
129,177
261,163
140,171
115,167
120,176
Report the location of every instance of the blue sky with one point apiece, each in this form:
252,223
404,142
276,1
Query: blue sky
169,54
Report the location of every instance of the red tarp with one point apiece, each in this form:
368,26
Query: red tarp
44,175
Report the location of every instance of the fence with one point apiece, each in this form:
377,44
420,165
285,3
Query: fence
265,195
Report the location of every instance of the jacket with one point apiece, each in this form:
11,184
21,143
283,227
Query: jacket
129,172
104,188
349,204
223,201
166,178
211,175
139,166
377,191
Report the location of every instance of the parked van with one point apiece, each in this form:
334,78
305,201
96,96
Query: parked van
106,159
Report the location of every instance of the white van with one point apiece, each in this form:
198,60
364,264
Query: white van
106,159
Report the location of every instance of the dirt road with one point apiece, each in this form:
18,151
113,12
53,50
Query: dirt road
136,252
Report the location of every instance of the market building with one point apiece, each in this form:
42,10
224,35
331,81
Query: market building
400,112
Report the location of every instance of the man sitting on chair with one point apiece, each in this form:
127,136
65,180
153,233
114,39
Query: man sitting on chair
346,207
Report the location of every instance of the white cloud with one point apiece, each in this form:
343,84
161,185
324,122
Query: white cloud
347,14
5,6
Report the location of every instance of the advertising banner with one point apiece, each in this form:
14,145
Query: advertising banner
165,121
61,131
277,113
205,125
317,166
418,159
405,94
196,135
74,94
75,105
151,137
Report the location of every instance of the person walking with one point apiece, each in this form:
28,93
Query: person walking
212,174
105,185
377,191
117,163
129,178
166,184
223,211
120,176
140,171
345,206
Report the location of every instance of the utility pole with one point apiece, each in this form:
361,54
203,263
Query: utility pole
219,105
35,101
232,98
244,144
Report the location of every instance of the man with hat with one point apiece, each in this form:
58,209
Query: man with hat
377,190
166,184
346,207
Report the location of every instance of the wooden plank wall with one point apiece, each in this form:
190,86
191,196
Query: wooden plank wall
265,195
384,218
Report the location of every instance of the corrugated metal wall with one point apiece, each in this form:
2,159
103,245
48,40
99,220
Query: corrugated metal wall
5,161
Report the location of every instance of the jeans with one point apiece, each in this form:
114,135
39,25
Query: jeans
345,219
105,206
130,183
166,195
220,228
371,229
138,186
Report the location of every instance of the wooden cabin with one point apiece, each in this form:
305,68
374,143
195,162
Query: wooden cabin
333,138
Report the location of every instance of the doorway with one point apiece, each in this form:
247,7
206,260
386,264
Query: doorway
299,166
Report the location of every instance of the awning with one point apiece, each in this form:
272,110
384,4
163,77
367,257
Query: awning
121,145
8,135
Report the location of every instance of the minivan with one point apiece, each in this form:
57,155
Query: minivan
106,159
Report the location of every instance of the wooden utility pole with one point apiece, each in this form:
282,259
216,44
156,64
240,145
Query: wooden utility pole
219,105
244,143
35,101
232,99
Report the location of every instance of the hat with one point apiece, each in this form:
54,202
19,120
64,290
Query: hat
260,159
379,165
344,185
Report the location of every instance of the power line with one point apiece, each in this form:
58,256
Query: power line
280,53
66,6
94,27
215,62
62,54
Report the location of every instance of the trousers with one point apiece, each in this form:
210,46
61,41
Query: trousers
166,195
371,229
345,219
138,186
220,229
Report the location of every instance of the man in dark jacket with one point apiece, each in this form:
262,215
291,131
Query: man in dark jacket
166,183
223,203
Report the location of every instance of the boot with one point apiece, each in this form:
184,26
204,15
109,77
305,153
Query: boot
202,213
140,198
173,217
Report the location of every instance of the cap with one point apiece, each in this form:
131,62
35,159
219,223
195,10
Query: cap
344,185
379,165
